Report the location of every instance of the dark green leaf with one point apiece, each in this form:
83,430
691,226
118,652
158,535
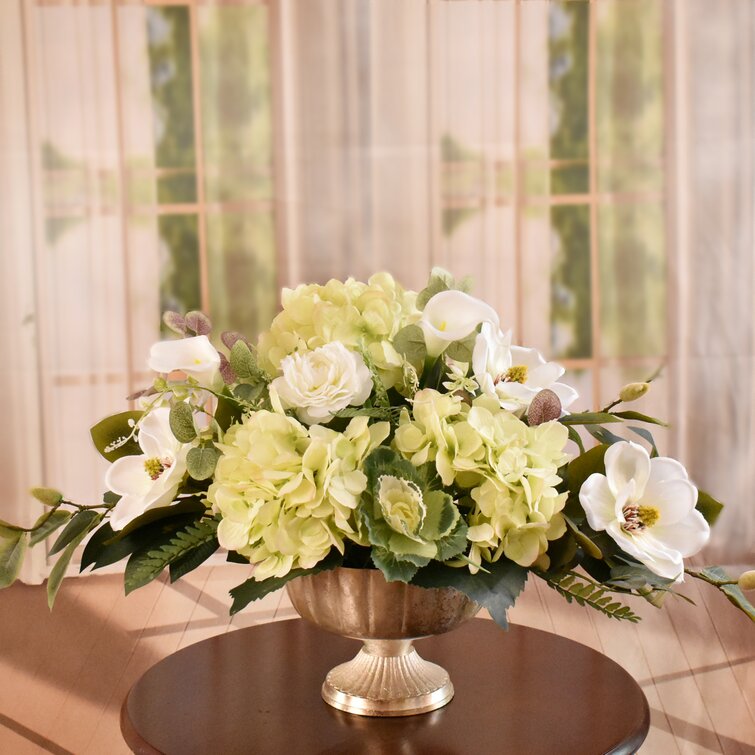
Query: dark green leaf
47,496
394,569
61,565
12,550
189,505
83,521
588,418
251,590
588,545
645,434
147,563
577,438
602,435
715,575
454,543
201,461
113,438
708,506
192,559
181,420
496,590
234,558
639,417
47,524
228,411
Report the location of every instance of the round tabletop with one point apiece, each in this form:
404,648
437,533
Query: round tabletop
257,690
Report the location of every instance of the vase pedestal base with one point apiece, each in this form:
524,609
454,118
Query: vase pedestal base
387,678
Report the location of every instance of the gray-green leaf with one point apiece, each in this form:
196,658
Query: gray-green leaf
47,496
80,523
47,524
61,565
410,342
201,461
181,419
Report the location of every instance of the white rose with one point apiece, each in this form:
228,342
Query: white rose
451,316
323,381
196,357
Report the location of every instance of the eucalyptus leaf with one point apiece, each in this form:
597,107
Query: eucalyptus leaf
436,284
198,322
244,363
12,550
201,461
82,522
181,419
462,350
410,343
249,393
113,438
47,524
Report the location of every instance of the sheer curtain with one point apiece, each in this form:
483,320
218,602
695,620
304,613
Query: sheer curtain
589,164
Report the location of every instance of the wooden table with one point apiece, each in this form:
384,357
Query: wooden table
257,690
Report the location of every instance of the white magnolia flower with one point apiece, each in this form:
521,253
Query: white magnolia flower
648,507
196,357
323,381
451,316
151,479
513,374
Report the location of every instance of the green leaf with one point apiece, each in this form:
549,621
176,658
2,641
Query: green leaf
589,418
252,589
147,563
577,438
82,522
602,435
394,569
181,419
590,547
585,594
192,559
410,343
12,550
249,393
462,350
716,576
438,282
188,505
639,417
61,566
47,496
577,471
47,524
113,436
496,590
708,506
645,434
441,515
244,363
454,543
228,411
201,461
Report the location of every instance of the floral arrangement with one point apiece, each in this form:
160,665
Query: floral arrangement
375,427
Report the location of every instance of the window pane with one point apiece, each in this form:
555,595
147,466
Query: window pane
179,263
243,275
568,48
236,104
169,48
633,280
570,283
629,95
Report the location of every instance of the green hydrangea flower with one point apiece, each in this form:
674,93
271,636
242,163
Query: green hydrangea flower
286,493
359,315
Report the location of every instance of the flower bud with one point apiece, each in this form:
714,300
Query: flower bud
747,580
545,407
633,391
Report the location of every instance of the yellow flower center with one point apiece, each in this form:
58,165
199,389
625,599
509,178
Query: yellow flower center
154,467
516,374
638,518
442,326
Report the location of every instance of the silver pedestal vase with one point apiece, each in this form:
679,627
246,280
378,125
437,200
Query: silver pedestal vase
387,677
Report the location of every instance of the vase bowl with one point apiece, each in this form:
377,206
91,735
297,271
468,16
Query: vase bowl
387,677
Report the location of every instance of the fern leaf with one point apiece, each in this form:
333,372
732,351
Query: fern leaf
585,594
195,539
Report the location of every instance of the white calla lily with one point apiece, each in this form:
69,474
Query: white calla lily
196,357
150,479
648,507
513,374
451,316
